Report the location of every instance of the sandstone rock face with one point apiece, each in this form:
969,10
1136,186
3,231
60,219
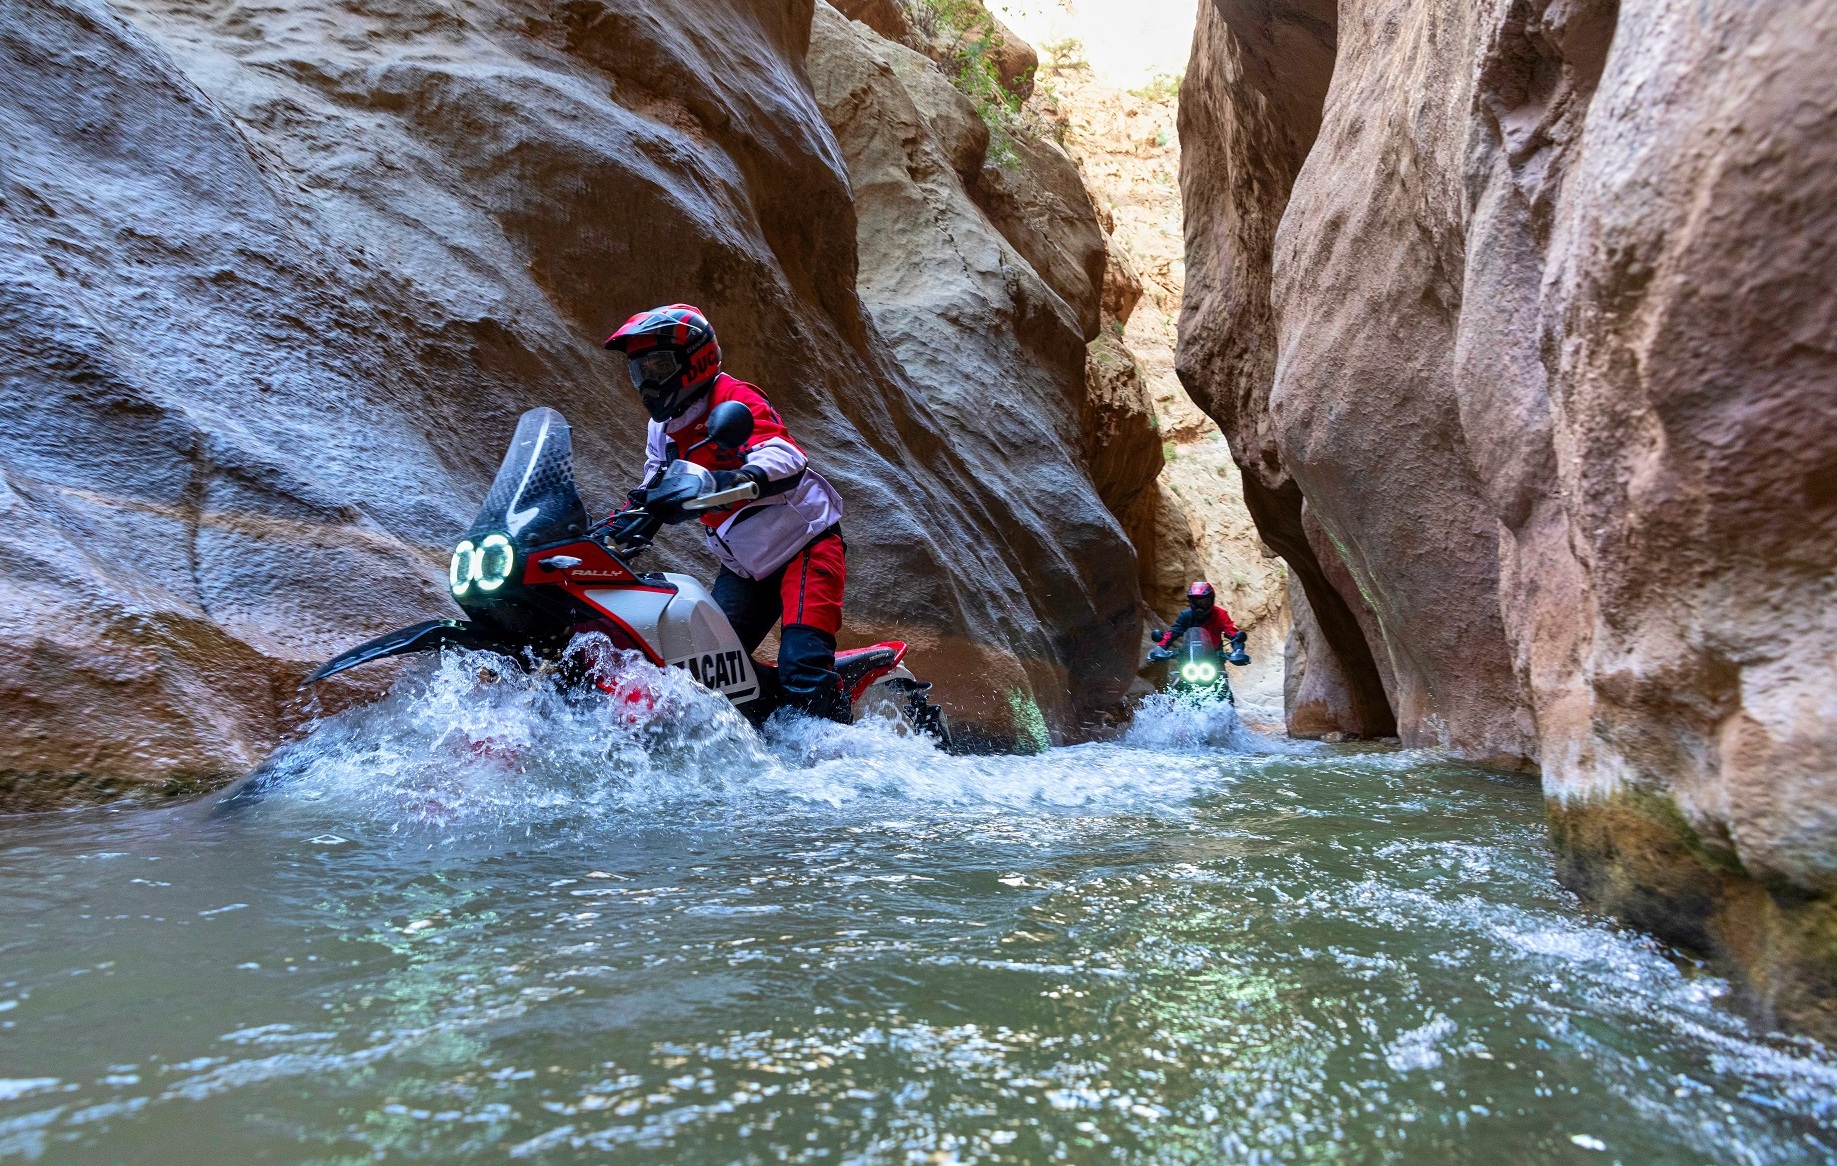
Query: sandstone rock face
1549,352
1192,523
989,343
278,282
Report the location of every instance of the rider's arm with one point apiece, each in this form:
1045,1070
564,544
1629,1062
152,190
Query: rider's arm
656,460
773,459
1175,630
1225,625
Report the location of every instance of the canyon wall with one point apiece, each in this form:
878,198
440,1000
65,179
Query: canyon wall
278,282
1186,513
1519,317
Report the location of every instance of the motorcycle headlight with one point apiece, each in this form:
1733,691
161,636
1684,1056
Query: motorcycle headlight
488,564
495,558
459,571
1207,673
1189,672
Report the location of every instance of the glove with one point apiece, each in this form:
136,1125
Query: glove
665,504
1238,640
728,479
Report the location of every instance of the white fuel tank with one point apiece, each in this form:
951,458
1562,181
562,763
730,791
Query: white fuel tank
687,630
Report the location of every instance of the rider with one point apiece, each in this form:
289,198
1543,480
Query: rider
781,555
1202,611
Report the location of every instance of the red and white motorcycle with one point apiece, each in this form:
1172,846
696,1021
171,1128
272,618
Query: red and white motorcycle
533,574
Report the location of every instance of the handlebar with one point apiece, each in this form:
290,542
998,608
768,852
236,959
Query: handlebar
744,492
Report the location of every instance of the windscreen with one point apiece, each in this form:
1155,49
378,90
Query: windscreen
533,500
1200,641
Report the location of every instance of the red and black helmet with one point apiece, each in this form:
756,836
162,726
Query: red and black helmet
1200,595
673,356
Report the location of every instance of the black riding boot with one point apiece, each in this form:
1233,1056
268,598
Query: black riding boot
807,673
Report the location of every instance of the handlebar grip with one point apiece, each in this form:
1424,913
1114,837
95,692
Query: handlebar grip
744,492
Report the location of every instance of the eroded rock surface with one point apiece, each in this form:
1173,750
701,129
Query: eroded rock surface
278,282
1192,522
1547,362
987,338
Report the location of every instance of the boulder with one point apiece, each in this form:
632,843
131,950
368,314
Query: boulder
886,17
1122,445
277,283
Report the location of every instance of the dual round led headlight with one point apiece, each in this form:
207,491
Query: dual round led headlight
1197,673
485,565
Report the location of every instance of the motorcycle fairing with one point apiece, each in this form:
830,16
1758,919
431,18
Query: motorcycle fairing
421,637
533,499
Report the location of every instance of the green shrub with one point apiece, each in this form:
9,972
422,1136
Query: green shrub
1066,55
967,27
1161,86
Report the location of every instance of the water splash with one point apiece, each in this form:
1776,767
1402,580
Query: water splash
1166,720
478,740
477,745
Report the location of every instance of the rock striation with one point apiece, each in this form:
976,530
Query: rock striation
1519,318
278,281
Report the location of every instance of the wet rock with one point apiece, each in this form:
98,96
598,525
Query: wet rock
1122,445
278,282
1552,294
987,341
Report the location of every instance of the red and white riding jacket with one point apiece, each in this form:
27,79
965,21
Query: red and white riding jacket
756,538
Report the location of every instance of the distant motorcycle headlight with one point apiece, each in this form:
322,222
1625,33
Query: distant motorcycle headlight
1207,673
1189,672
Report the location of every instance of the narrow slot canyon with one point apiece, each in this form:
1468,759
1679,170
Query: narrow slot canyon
433,727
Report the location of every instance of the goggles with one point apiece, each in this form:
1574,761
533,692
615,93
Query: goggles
654,367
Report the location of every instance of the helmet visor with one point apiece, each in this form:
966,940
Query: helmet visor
654,367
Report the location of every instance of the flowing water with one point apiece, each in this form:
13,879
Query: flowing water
475,923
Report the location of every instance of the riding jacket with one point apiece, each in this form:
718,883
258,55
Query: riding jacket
754,538
1216,620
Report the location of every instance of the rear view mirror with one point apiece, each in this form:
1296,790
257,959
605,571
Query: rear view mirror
730,424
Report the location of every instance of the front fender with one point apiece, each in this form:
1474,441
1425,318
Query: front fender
421,637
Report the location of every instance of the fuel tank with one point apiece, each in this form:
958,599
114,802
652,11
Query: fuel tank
683,626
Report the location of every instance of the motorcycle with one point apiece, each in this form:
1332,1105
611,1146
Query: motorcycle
532,574
1197,666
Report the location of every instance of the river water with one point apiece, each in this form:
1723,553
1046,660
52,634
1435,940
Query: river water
475,924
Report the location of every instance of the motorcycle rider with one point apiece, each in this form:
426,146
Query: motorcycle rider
1202,611
782,554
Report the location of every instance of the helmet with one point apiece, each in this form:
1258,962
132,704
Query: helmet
1200,595
674,357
